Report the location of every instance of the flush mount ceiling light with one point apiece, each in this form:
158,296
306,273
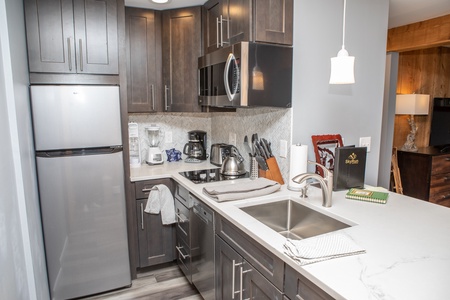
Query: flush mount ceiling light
342,66
160,1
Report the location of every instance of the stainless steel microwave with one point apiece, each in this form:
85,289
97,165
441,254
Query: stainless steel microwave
246,74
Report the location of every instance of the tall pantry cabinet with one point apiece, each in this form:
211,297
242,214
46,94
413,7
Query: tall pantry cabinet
182,45
143,39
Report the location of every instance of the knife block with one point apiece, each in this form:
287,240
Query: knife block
273,173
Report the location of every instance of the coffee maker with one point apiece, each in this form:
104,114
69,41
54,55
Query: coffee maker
196,147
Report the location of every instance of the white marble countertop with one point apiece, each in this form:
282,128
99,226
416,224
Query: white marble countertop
407,240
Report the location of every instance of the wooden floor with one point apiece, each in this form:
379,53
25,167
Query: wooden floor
166,283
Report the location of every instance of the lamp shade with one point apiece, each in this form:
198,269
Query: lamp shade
412,104
342,68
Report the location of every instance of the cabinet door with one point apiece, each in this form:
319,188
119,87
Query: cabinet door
273,21
50,36
181,49
257,286
215,25
227,262
96,39
156,241
239,20
143,38
297,286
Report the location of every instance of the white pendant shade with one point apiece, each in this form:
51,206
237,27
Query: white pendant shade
343,65
342,68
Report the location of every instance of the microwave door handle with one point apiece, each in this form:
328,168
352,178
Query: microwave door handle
230,58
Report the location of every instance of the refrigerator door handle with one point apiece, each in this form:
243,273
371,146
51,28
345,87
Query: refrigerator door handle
79,152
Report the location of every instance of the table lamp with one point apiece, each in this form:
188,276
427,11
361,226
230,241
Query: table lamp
411,104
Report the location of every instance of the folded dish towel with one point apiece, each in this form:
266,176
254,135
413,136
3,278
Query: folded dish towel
321,248
248,189
160,199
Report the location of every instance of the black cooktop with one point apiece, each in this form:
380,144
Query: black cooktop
210,175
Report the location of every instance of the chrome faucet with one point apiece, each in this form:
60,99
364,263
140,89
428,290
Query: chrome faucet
326,182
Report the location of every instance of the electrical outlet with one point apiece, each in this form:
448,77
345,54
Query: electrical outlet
168,137
283,148
232,138
365,142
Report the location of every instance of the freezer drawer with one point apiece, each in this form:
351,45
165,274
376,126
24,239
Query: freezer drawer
74,117
83,213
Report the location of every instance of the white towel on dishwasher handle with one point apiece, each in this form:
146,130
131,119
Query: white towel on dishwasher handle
320,248
160,199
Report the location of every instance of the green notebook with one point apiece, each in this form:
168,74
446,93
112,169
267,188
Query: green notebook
367,195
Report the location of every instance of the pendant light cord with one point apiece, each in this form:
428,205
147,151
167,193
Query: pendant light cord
343,25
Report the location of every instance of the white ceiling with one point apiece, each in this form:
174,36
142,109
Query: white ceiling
401,12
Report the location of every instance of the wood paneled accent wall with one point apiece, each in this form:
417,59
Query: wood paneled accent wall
425,71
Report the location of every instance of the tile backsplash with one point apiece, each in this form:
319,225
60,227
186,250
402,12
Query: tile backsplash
273,124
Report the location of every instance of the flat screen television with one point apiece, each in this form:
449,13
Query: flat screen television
440,124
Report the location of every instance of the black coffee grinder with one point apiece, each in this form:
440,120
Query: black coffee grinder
197,140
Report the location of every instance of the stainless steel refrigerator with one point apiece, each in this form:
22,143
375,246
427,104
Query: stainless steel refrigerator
81,188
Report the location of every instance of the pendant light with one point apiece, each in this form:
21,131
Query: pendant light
342,66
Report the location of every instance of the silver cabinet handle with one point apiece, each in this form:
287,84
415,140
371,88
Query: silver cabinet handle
80,44
241,289
221,31
217,31
181,253
233,278
165,98
142,216
181,218
153,96
69,52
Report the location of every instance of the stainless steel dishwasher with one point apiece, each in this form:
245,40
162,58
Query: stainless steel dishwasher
202,254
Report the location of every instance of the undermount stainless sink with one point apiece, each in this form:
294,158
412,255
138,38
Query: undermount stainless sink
293,220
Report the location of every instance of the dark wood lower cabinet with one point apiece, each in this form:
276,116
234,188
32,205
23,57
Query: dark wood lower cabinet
156,242
425,174
235,276
298,287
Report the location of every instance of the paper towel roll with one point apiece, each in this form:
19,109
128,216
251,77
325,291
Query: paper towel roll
298,165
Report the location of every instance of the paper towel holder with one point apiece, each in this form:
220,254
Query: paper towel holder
297,188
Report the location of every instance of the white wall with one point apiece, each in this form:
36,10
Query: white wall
22,272
352,110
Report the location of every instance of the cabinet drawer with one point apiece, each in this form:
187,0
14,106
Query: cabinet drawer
143,187
182,195
260,258
184,258
182,213
440,164
440,189
299,287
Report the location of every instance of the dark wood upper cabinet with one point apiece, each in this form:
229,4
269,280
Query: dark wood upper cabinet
72,36
143,38
231,21
273,21
181,47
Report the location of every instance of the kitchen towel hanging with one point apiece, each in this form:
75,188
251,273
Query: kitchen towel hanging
298,165
160,200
